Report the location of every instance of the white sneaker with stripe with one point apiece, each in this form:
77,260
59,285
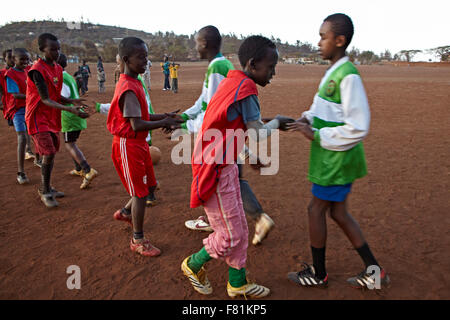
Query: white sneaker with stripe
249,290
198,280
307,277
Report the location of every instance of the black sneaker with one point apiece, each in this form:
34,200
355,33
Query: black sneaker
365,280
307,277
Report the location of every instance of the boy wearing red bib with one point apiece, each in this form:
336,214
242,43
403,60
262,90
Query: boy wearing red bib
233,109
16,83
129,121
43,111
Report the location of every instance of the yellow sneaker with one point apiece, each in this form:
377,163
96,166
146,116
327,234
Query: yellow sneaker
249,290
75,172
198,280
88,177
262,228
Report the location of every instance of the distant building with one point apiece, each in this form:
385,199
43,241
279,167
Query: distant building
291,60
73,25
425,57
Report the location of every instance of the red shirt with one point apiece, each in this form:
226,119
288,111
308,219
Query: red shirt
39,117
210,157
116,123
13,104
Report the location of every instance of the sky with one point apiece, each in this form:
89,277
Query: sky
379,24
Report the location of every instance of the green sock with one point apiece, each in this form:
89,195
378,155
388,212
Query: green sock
236,277
197,260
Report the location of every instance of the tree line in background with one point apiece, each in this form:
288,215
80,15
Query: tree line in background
182,48
178,47
87,41
369,57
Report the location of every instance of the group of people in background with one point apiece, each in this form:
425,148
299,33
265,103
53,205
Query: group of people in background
83,74
336,123
170,71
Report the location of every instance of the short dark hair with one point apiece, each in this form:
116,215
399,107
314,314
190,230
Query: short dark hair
18,51
62,60
43,38
254,47
212,36
342,25
127,45
5,53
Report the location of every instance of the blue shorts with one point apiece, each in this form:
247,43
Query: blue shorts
331,193
19,120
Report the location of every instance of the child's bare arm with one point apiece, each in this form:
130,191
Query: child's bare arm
167,123
132,110
157,117
43,93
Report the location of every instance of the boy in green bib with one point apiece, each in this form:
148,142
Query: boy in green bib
71,126
336,123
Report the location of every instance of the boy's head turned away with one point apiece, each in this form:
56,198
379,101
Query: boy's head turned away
134,54
49,45
208,40
62,60
258,56
336,33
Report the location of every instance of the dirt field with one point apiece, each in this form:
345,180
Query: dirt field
402,205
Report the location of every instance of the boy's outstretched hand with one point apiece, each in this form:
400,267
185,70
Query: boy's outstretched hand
171,124
303,127
175,115
81,111
172,114
284,121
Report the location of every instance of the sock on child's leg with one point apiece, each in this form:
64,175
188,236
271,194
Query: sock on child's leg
77,165
86,167
237,277
46,171
366,255
197,260
318,255
138,235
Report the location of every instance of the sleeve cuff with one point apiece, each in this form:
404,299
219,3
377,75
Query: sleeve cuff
184,116
317,136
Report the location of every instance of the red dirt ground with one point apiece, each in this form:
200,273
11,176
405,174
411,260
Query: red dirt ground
402,205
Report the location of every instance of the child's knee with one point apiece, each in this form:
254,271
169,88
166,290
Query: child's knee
22,136
317,207
338,214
